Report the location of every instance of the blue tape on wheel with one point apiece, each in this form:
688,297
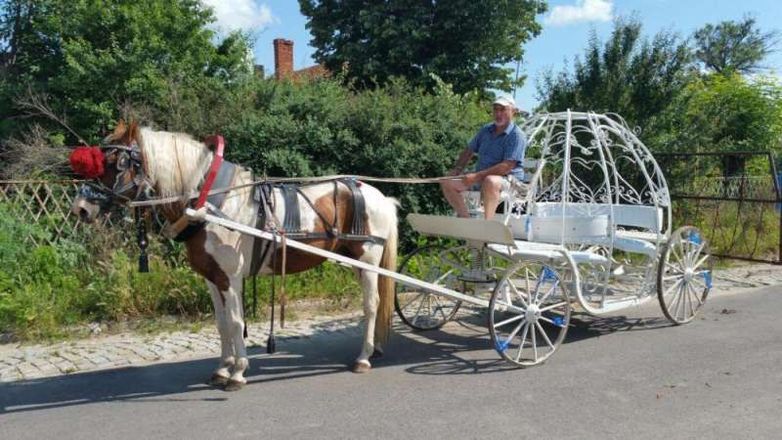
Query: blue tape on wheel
695,237
707,278
558,321
548,274
501,346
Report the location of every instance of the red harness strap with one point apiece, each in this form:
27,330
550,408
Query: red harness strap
218,144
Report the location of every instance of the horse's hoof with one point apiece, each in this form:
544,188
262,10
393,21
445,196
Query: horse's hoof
361,367
234,385
218,381
377,354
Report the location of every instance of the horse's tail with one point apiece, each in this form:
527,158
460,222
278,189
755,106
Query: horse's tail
385,311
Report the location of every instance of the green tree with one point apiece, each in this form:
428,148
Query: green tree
733,46
464,42
92,56
723,113
634,77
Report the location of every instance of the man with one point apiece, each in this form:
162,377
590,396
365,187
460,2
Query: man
500,148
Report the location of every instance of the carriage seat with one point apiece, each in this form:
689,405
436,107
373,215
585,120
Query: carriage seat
589,224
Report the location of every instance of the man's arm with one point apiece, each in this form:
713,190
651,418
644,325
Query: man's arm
461,162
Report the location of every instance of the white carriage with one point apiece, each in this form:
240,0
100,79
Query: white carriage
590,233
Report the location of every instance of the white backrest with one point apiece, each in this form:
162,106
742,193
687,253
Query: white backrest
638,216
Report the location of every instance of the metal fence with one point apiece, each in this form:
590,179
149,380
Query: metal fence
733,197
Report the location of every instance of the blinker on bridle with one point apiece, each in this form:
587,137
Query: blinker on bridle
129,160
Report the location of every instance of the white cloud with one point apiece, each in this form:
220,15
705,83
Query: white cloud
582,11
246,15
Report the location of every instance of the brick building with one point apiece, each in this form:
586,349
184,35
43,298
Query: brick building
283,63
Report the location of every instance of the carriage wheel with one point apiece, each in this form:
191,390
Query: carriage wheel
684,275
418,308
529,313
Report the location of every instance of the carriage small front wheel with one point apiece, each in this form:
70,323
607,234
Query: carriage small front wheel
684,275
418,308
529,313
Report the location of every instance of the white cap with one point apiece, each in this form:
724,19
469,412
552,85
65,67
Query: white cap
505,101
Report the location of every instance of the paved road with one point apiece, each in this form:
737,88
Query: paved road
621,377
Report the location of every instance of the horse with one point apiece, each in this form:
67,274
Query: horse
134,160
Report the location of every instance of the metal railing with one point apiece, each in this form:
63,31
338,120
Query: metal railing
734,197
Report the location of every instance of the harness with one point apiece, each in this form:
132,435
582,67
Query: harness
264,205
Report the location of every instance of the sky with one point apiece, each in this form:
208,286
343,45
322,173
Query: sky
566,28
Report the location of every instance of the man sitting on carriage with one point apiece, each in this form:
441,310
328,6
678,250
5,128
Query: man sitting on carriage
500,148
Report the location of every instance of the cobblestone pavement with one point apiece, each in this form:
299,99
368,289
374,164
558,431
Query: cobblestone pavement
21,362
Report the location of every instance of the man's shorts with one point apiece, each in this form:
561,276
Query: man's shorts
508,182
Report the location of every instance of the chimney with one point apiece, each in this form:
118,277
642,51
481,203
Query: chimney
283,58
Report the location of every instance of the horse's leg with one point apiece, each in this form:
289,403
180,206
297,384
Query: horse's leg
223,372
368,282
234,322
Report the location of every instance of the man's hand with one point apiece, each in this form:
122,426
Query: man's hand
471,178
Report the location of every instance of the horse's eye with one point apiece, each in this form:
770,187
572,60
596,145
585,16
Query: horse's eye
123,161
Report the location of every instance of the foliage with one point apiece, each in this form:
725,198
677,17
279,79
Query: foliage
322,128
91,56
50,291
722,113
733,47
634,77
462,41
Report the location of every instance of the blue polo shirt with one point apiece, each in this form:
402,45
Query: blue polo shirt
494,148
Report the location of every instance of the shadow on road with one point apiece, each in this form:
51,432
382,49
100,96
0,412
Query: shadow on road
463,347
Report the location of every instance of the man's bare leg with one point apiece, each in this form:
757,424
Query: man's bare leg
453,189
490,191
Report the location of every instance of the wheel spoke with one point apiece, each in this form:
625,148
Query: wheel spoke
697,297
673,286
553,288
700,262
508,321
516,331
674,309
676,269
418,311
516,291
523,340
545,336
440,306
682,300
534,346
694,253
413,300
553,306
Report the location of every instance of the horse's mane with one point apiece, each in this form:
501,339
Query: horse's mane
176,162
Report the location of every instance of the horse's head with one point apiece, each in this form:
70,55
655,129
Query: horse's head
116,170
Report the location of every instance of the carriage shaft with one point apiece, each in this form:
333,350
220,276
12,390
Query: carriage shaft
401,278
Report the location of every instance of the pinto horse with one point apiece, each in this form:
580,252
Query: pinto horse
135,160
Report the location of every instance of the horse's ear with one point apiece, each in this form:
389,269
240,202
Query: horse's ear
133,131
119,130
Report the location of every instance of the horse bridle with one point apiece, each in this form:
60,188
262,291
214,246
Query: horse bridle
129,160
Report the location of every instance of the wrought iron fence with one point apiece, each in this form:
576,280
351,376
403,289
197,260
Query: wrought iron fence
733,197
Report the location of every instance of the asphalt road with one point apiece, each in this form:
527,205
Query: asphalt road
623,377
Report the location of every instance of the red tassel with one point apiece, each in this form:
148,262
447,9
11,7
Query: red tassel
87,162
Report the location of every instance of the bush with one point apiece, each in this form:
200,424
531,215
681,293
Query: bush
320,128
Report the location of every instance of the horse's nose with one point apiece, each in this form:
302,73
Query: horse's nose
85,210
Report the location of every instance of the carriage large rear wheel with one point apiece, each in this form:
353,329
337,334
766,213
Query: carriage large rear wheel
684,275
529,313
436,264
